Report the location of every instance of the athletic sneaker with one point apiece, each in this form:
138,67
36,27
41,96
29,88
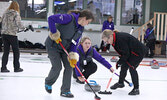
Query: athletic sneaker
117,85
67,94
134,92
48,88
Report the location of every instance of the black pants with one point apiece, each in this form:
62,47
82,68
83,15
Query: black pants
134,62
103,46
0,44
13,41
87,70
151,45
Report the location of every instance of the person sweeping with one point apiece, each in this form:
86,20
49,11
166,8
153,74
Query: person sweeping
67,29
131,53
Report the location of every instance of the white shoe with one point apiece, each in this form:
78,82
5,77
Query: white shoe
107,51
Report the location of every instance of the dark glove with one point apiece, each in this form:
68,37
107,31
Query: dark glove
119,64
31,28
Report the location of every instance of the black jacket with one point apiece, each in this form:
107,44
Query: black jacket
129,48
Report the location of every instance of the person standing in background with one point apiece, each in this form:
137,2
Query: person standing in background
107,24
11,23
150,40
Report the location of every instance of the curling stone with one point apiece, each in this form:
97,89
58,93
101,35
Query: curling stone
154,64
96,87
113,59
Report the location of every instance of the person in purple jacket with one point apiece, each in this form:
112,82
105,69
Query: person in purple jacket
150,40
85,63
107,24
67,29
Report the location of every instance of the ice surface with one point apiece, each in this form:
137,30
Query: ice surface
29,84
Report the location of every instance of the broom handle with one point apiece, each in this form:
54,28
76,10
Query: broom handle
130,84
74,64
78,69
108,83
64,49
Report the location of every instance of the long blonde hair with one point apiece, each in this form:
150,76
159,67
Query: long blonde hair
15,6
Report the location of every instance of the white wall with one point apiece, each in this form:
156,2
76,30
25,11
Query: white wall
4,6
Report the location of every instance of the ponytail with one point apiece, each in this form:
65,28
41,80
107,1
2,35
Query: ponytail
84,13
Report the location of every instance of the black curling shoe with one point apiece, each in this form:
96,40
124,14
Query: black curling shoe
117,85
67,94
18,70
5,70
134,92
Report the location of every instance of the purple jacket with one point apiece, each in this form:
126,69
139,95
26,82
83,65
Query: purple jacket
147,33
108,25
64,19
149,36
96,56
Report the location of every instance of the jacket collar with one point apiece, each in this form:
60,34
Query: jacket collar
114,39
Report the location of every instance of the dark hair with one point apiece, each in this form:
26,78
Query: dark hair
149,25
84,13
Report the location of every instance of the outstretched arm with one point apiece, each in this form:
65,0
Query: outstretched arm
102,60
